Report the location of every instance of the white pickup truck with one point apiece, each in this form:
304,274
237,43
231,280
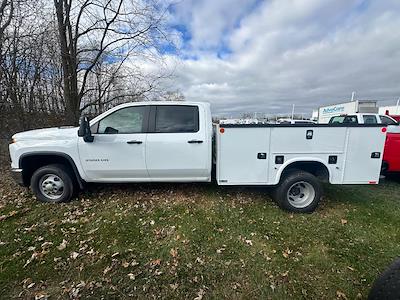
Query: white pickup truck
176,142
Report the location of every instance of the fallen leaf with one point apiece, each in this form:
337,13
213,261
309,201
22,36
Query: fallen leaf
31,285
107,269
155,262
92,231
286,253
125,264
134,263
249,242
343,221
46,244
199,260
173,252
200,294
340,295
41,296
63,245
34,256
74,255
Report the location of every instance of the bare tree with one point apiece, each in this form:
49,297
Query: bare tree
97,33
6,14
29,68
175,95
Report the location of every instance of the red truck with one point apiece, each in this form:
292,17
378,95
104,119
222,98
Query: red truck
391,154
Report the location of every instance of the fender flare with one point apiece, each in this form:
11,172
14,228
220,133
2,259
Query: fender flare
300,160
55,153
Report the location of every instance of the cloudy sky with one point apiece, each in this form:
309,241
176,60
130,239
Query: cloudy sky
264,56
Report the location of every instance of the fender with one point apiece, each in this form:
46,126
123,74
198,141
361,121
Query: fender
296,160
55,153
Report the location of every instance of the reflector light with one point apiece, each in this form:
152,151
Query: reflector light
222,130
372,182
384,129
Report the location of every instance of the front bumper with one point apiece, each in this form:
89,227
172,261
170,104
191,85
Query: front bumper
17,175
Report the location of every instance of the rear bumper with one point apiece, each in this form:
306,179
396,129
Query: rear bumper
16,174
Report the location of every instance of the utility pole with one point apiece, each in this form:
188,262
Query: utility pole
293,111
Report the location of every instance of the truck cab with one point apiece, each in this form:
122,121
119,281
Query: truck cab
363,118
149,142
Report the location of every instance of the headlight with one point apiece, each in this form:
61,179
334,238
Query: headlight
13,141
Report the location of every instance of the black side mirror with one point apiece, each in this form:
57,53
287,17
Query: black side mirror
84,130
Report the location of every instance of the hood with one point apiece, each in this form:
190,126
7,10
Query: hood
62,133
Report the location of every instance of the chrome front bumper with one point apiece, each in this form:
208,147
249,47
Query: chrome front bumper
17,175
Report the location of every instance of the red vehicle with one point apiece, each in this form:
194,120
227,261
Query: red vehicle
391,154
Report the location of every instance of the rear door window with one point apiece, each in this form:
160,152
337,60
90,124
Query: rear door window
387,121
176,118
350,120
369,119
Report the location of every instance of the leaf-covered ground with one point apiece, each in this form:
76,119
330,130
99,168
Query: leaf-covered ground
194,242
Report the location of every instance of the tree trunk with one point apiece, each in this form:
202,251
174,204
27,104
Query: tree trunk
68,59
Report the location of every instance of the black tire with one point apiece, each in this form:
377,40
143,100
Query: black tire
384,168
60,171
387,285
299,179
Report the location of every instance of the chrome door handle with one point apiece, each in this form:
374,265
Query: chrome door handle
134,142
195,142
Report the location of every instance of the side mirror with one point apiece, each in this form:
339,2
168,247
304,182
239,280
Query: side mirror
84,130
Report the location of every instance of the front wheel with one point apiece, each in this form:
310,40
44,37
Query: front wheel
298,192
52,183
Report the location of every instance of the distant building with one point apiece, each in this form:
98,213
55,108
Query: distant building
392,110
325,113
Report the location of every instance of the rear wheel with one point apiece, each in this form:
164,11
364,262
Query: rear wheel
299,192
53,183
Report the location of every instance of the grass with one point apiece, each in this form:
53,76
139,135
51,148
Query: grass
195,241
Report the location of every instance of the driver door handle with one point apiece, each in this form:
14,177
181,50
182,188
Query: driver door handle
134,142
195,142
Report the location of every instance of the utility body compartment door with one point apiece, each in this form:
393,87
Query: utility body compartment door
242,155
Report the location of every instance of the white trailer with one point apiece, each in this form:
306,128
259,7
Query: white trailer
325,113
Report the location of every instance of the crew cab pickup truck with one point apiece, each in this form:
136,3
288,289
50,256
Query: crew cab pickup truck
176,142
364,118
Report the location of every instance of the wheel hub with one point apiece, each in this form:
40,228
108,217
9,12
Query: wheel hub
295,191
51,186
301,194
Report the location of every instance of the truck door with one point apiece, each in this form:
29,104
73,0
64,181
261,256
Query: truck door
178,146
118,150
